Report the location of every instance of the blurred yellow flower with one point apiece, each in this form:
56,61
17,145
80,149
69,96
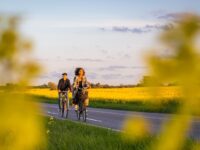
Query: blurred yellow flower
135,128
20,128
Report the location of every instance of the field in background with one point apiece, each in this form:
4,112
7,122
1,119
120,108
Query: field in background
119,94
134,99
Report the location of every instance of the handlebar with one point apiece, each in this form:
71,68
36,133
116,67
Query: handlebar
63,92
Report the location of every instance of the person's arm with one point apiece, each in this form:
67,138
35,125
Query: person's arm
87,84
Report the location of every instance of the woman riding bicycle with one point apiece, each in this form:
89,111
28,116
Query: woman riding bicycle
80,86
63,86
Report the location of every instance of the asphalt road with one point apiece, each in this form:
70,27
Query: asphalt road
113,119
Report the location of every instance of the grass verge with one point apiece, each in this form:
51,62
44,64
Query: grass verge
65,134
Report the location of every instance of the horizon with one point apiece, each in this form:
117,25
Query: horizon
107,38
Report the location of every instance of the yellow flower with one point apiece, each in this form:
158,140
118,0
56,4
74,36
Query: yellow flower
135,128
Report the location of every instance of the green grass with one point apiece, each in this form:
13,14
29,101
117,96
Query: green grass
65,134
74,136
165,106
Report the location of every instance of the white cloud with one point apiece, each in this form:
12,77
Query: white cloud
86,23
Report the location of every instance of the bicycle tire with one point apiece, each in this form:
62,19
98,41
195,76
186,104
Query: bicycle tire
67,113
84,116
63,110
79,115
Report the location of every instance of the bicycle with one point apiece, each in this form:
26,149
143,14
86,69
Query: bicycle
82,109
64,103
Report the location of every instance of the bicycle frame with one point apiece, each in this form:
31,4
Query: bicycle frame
82,108
64,103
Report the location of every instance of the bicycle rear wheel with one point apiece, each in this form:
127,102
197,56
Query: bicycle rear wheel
67,112
63,108
84,115
80,110
79,115
67,108
63,111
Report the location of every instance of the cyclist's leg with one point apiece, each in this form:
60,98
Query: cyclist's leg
76,101
80,104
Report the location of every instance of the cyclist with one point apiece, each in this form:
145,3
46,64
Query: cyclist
63,86
80,81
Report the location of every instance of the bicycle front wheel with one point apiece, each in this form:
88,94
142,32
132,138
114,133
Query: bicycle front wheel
85,115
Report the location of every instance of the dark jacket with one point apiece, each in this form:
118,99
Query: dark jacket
64,85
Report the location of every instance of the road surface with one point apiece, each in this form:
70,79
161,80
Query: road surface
113,119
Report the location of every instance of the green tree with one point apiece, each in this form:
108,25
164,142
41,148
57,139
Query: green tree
52,86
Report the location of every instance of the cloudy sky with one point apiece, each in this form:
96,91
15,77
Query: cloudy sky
107,37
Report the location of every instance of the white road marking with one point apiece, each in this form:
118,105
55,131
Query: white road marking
113,113
90,123
105,112
116,113
91,119
94,120
133,114
53,113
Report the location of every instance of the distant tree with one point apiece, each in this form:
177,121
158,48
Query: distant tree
44,86
98,84
149,81
52,85
9,84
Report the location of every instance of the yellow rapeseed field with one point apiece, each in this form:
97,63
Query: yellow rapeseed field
122,94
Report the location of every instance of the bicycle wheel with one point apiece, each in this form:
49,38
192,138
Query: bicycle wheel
63,111
67,108
84,115
63,108
79,115
80,110
67,112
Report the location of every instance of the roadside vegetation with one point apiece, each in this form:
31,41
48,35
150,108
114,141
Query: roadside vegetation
65,134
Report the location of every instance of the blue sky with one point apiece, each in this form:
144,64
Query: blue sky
108,38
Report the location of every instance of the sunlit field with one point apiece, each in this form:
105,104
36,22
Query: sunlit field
119,94
164,99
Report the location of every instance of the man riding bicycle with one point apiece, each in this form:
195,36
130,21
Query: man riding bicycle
63,86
